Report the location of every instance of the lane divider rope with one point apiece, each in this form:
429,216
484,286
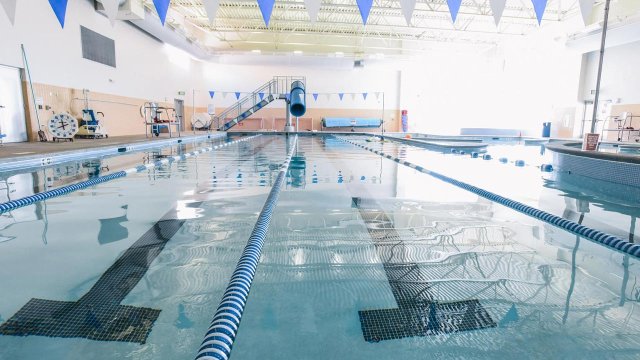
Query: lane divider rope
597,236
473,154
220,336
31,199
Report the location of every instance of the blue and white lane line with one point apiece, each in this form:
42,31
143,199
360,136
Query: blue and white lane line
222,332
28,200
597,236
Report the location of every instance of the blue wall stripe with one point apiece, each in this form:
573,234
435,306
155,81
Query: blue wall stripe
218,340
568,225
29,200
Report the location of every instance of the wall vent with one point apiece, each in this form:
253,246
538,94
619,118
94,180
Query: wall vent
98,48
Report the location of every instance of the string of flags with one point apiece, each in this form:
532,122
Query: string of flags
238,95
59,8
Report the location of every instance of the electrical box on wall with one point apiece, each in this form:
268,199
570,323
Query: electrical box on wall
128,10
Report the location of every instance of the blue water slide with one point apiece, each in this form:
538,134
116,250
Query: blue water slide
298,103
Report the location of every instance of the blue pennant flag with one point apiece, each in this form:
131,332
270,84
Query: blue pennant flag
237,96
212,93
365,8
60,9
315,96
266,7
364,95
287,96
162,6
261,96
539,6
341,95
454,7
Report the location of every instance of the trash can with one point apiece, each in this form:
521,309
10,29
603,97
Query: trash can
405,121
546,129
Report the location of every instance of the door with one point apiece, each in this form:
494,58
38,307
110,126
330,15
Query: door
12,117
179,105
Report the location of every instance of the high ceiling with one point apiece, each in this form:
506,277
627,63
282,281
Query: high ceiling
239,25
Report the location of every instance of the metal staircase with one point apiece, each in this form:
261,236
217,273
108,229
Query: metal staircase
278,88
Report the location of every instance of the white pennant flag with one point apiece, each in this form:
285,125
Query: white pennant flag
378,96
586,7
224,94
10,8
497,7
328,96
353,96
313,8
407,9
111,9
211,6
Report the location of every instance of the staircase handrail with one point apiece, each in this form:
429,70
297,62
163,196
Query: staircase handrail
268,89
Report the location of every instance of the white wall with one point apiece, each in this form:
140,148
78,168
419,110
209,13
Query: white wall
320,79
516,85
150,70
55,55
620,75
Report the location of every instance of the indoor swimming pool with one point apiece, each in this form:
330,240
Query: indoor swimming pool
364,257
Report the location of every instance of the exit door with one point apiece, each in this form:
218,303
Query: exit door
12,117
179,105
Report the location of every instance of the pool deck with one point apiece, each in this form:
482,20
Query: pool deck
27,154
15,150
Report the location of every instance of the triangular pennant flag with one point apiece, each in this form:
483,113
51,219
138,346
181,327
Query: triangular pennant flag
586,8
407,9
162,6
539,6
287,96
237,95
211,7
224,94
313,8
364,95
315,96
328,96
266,7
377,96
341,95
454,7
60,9
261,96
497,8
212,94
10,8
353,96
111,9
365,8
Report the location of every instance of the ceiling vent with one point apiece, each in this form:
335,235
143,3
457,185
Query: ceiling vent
128,10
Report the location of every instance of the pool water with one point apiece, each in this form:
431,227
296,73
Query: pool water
608,207
364,258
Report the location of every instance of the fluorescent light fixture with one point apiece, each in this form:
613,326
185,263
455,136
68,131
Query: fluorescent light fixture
297,52
339,54
256,51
